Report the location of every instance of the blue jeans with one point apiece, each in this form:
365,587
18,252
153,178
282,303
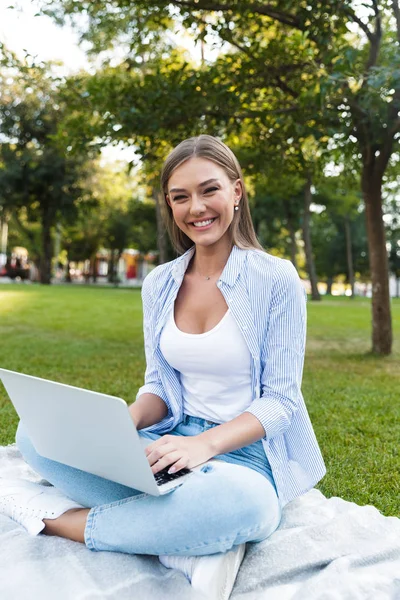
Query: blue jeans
227,502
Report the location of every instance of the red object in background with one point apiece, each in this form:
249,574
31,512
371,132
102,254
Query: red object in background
131,272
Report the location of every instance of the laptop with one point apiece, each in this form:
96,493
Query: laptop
87,430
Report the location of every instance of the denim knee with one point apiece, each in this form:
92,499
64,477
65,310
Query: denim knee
247,498
267,513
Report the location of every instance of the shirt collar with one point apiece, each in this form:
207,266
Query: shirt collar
229,275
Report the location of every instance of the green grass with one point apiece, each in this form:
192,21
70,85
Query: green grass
92,338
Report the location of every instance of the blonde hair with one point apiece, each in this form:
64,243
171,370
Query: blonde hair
211,148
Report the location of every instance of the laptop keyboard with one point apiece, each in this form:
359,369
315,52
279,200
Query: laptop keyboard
164,477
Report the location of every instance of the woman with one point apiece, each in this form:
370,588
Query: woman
224,328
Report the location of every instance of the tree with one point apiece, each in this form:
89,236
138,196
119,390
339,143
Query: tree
393,228
39,182
341,196
299,163
118,217
331,246
394,260
304,52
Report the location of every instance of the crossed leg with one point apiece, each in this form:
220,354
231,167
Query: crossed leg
219,506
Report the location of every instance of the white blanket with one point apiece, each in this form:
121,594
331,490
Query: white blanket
324,549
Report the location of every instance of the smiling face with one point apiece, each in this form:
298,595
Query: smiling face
202,199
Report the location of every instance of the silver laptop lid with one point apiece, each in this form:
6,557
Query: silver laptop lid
87,430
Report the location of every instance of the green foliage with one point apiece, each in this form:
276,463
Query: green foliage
39,182
329,244
315,65
116,218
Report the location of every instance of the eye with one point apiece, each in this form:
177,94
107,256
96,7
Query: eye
210,190
178,198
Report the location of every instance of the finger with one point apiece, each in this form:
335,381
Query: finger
166,461
180,464
160,452
157,443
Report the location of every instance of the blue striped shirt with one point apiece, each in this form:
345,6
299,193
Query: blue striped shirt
268,303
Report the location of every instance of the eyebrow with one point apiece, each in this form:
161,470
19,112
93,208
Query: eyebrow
200,185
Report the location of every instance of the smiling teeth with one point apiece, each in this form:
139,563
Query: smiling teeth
203,223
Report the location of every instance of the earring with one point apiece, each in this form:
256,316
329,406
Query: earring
236,207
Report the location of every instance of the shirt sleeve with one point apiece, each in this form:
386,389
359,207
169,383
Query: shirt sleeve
152,380
282,354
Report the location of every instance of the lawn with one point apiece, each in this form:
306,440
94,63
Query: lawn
92,337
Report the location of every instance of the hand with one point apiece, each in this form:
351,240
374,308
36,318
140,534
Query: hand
177,451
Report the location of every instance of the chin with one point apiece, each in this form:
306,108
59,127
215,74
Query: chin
210,242
207,239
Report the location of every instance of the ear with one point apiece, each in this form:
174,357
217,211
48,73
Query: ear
238,190
168,201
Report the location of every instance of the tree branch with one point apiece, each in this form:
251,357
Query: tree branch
396,127
376,8
282,85
243,49
384,155
266,10
226,36
393,114
376,40
350,13
361,124
396,11
275,72
393,127
255,113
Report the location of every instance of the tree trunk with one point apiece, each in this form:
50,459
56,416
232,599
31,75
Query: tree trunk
292,233
329,284
57,245
161,231
68,274
371,185
117,256
4,234
349,254
93,268
307,242
47,248
111,267
293,243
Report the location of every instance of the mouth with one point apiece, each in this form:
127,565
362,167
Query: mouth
201,225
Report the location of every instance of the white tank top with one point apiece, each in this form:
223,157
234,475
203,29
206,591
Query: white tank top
214,369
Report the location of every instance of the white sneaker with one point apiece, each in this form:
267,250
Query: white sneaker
29,503
213,575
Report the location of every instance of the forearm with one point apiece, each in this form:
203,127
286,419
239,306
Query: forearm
241,431
148,410
190,451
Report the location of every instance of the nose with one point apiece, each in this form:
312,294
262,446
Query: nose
196,205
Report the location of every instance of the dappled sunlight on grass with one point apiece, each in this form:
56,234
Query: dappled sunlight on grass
343,326
12,301
107,313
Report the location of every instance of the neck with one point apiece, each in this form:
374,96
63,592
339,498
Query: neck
210,261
